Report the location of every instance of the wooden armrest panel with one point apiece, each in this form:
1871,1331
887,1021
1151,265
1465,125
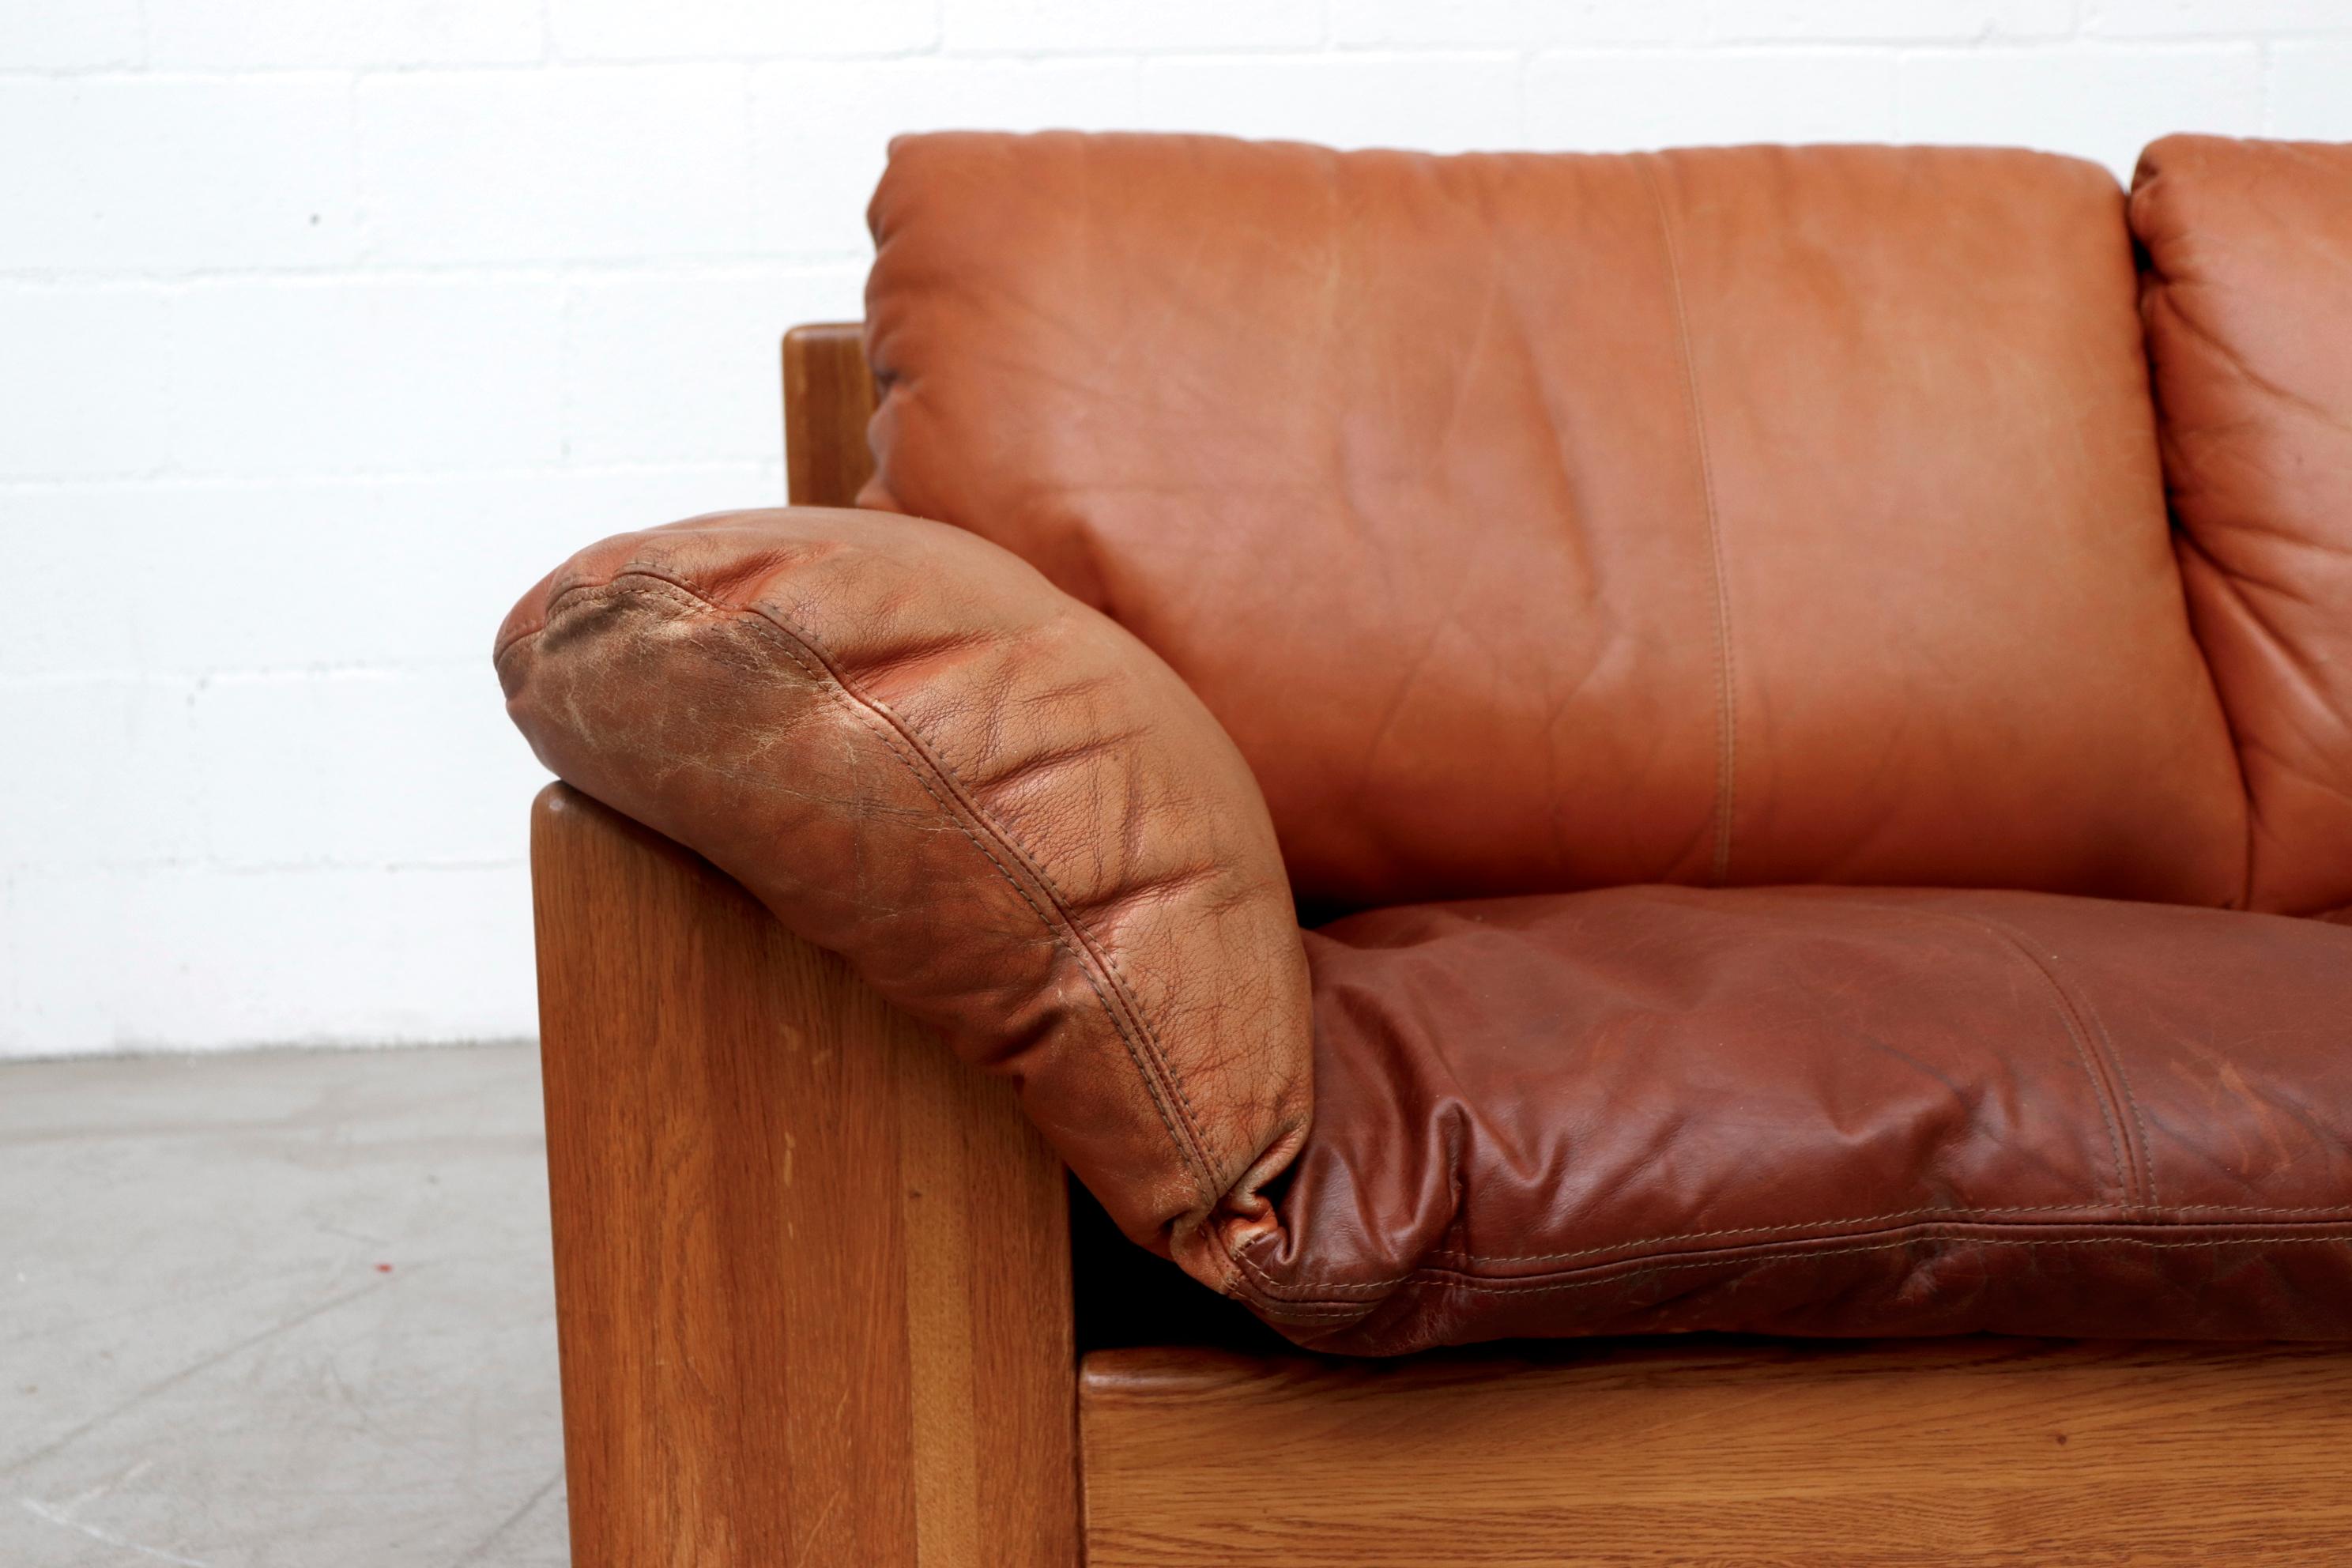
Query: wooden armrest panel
812,1272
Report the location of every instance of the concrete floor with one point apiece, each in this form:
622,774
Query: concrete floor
276,1308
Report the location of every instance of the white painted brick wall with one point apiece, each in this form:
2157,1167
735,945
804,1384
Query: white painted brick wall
327,325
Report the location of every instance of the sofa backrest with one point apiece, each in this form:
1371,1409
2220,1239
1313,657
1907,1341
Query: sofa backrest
2248,301
1748,515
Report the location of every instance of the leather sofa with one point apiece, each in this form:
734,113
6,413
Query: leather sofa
1522,747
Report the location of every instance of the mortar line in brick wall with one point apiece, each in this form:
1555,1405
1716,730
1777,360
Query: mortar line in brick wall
1027,53
198,682
208,865
715,268
760,469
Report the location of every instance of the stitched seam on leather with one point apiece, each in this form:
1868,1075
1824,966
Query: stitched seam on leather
2139,1120
1833,1230
1727,760
1206,1168
1315,1309
2096,1068
2067,1015
1960,1216
1094,945
1538,1285
2115,1060
885,724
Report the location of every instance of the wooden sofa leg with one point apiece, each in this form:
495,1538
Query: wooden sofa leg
812,1273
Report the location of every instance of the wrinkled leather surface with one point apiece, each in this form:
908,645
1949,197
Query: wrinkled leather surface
1819,1111
1535,522
1002,809
2248,301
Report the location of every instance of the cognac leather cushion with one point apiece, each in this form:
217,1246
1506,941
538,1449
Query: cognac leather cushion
1755,515
2249,308
1819,1111
1002,809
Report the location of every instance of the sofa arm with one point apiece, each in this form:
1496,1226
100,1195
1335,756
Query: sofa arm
1008,816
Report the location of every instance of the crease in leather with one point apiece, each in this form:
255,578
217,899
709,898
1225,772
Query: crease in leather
1159,1077
1726,688
2243,368
2244,245
2239,744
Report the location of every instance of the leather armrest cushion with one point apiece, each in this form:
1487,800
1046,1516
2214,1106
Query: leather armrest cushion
1008,815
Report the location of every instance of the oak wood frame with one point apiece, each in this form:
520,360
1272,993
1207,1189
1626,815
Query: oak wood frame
815,1300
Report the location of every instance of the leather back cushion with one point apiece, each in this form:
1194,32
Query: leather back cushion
1533,523
2248,301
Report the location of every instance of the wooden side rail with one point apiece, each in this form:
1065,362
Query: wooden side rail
813,1281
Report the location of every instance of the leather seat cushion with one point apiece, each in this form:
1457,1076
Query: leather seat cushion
1533,523
1818,1112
